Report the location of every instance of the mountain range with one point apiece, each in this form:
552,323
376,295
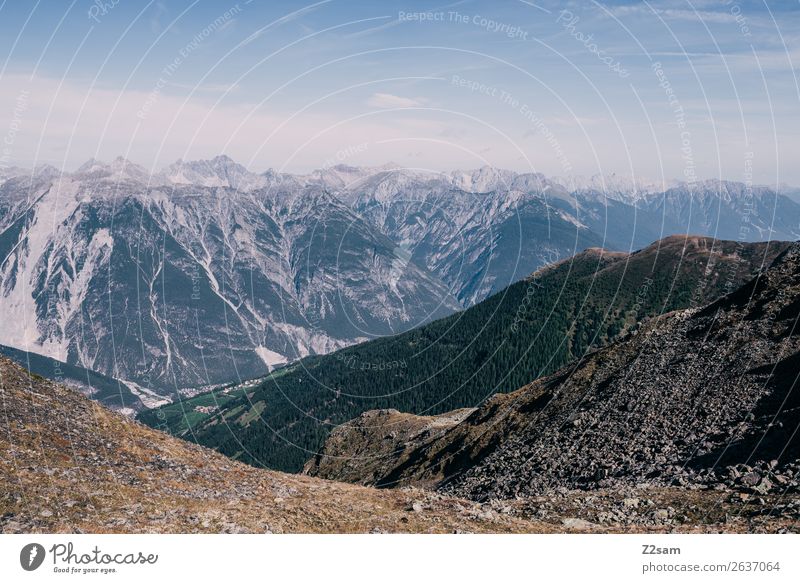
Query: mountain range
557,315
689,424
207,273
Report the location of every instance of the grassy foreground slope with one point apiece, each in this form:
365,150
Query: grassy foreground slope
69,465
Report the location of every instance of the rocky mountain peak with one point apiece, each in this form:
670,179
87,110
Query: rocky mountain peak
120,169
220,171
483,179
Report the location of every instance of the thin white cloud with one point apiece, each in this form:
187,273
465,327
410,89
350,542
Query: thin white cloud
283,20
387,100
53,128
207,87
373,29
674,13
66,124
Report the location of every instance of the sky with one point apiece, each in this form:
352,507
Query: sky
659,89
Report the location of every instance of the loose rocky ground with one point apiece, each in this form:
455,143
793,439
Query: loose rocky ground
532,328
69,465
693,420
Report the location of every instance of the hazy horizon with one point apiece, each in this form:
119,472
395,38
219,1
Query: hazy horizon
665,180
664,90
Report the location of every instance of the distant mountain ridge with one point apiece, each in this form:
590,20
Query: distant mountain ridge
205,272
185,285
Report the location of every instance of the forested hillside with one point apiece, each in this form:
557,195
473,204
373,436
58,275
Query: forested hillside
530,329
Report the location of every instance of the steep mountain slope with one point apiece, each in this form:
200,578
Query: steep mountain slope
706,397
479,231
728,210
629,215
171,285
532,328
70,465
112,393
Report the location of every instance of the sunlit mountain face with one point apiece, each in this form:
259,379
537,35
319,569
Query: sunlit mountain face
207,273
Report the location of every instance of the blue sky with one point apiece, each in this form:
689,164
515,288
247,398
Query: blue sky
662,89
